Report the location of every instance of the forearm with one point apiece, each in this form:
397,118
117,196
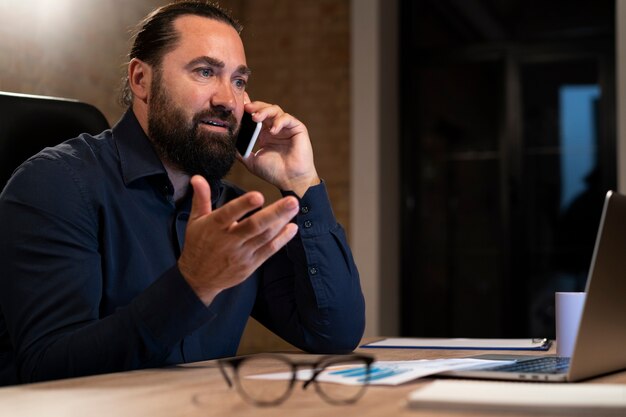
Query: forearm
311,292
64,336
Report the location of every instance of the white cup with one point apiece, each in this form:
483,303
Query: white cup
569,309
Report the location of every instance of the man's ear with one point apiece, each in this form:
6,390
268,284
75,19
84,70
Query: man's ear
139,79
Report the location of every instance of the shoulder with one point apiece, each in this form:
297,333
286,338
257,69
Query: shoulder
75,157
80,152
66,174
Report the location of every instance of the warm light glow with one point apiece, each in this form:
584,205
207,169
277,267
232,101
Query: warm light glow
43,21
40,12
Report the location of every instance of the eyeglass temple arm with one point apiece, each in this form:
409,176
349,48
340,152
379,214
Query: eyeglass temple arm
225,375
319,369
316,372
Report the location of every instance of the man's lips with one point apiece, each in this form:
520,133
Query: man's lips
216,123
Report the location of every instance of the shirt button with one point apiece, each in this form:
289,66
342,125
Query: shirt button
313,270
308,224
304,209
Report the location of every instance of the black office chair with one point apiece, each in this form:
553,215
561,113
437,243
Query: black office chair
30,123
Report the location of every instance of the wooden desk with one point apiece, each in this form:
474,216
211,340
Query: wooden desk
199,390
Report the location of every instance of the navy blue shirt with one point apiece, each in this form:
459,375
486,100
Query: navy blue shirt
89,240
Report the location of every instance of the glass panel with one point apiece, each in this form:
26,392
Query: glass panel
563,193
459,196
475,246
578,126
507,137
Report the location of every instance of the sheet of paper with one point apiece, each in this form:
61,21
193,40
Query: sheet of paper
384,372
459,343
468,395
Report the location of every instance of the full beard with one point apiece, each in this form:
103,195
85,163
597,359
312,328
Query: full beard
185,144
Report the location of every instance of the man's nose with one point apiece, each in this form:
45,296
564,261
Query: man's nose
224,96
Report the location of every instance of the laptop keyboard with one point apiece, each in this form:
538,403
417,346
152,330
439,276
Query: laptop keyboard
547,365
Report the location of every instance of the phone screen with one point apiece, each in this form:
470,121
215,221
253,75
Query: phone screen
248,132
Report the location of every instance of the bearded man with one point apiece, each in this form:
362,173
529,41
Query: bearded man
127,250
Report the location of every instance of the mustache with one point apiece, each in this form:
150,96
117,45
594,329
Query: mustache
225,116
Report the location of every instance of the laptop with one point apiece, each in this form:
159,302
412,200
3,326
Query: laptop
600,345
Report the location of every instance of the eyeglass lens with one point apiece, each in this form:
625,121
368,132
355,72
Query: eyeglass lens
354,372
263,391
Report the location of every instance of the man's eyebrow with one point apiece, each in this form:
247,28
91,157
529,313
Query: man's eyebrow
214,62
243,70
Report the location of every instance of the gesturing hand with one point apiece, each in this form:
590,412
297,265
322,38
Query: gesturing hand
220,251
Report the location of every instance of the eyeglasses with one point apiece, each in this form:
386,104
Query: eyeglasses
265,391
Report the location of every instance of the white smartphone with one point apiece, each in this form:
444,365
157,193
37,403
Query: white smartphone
248,133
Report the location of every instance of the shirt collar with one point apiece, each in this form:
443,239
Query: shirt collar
138,158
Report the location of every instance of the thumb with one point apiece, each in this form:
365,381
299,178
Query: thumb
201,203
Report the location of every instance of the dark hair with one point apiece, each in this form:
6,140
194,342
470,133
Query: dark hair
156,35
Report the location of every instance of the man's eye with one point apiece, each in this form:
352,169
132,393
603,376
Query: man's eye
241,84
205,72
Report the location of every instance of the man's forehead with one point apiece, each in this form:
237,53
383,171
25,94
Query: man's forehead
203,36
200,27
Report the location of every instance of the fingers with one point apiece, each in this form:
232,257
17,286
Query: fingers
269,229
283,121
272,246
272,116
264,226
201,204
254,231
227,214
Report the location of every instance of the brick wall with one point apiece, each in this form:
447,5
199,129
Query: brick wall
299,54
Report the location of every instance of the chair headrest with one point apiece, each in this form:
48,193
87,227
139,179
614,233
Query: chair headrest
30,123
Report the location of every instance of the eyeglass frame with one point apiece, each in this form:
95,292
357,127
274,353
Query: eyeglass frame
317,366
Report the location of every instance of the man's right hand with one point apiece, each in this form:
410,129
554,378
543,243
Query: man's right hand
220,251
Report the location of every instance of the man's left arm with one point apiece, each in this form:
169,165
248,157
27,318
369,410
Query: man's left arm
309,292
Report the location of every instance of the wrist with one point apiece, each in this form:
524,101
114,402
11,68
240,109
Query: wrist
299,186
204,293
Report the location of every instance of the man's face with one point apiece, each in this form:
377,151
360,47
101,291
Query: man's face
196,98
